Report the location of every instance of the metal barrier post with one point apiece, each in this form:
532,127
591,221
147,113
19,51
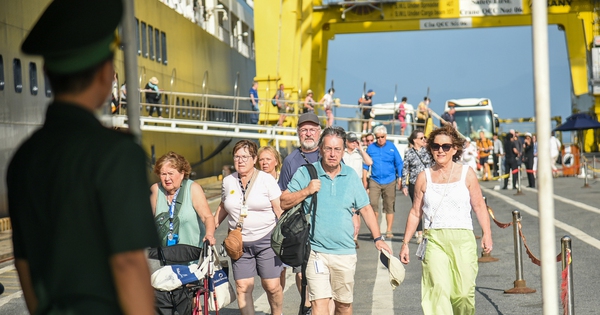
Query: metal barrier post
565,251
585,173
594,166
520,286
519,191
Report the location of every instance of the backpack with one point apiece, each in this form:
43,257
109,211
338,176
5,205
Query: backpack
290,238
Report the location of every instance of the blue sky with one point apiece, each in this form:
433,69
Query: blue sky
490,62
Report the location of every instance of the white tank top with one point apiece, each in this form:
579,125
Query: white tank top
454,211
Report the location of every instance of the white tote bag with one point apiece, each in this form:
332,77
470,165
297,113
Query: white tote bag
221,291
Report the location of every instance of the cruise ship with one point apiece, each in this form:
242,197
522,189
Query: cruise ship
193,47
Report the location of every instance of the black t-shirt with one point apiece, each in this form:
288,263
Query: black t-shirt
78,194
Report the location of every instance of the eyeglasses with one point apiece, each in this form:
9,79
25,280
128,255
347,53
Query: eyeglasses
446,146
330,149
304,131
241,158
380,137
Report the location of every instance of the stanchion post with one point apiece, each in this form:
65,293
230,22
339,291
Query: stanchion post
594,166
519,191
585,172
486,257
565,247
520,286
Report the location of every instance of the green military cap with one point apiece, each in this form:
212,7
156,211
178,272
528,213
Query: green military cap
73,35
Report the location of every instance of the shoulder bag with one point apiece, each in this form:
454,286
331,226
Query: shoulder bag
233,243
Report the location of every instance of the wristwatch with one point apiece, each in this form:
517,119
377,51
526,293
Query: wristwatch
380,238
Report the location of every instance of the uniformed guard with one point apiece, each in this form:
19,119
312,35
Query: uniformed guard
77,191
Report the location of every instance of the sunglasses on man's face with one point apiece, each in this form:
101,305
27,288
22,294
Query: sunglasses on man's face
446,146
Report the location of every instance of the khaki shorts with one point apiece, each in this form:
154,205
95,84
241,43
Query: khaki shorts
387,193
336,280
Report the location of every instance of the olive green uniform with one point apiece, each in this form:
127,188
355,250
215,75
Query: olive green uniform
78,194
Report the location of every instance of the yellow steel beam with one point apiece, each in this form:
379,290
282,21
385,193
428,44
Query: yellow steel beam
292,36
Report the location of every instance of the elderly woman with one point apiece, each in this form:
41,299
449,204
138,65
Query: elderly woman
181,198
269,161
416,159
254,196
444,195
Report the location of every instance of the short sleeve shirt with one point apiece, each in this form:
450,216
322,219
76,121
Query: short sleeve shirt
261,219
336,200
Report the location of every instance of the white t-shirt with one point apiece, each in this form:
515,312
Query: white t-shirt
355,161
328,102
261,219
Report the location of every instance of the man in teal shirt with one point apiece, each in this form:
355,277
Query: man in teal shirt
332,261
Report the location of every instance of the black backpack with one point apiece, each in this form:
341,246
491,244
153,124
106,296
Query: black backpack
290,238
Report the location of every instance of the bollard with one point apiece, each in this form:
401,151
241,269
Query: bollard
567,263
519,191
520,284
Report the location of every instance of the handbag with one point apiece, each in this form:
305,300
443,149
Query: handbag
162,220
233,242
421,250
221,292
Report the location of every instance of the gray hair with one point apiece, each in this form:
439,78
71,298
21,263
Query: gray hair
380,130
333,131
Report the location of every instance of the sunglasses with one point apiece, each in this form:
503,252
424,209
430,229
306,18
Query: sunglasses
423,138
446,146
380,137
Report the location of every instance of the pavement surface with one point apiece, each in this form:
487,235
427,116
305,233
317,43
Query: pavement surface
576,214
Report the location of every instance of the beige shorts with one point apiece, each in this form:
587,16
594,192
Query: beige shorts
336,280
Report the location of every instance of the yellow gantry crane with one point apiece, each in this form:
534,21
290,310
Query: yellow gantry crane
292,37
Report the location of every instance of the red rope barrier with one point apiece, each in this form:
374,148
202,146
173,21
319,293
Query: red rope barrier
501,225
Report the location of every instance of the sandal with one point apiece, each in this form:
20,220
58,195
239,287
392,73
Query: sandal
389,234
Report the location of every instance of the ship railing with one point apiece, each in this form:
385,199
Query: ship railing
225,115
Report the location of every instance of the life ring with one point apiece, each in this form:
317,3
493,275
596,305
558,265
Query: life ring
568,160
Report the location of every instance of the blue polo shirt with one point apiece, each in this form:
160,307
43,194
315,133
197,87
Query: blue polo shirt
387,163
334,230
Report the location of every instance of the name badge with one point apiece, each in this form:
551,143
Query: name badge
244,211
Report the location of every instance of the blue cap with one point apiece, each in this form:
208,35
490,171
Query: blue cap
369,91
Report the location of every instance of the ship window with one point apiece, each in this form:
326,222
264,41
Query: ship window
18,76
47,86
137,36
1,73
144,39
163,43
151,41
177,105
33,84
157,45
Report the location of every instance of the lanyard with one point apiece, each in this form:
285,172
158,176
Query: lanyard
244,188
303,156
172,210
